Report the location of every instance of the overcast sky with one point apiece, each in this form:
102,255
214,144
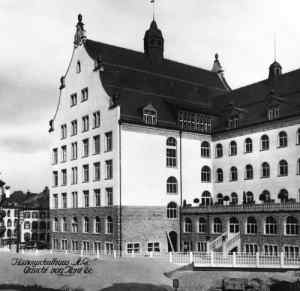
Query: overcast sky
37,41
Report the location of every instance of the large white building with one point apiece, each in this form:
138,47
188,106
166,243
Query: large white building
137,138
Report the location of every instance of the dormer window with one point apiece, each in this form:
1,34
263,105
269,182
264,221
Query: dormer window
150,115
273,113
233,122
78,67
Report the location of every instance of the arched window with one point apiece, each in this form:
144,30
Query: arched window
64,224
283,168
298,137
172,185
205,149
233,174
270,225
109,225
172,210
205,174
188,227
249,197
283,195
249,172
265,170
251,225
265,196
86,224
219,175
217,225
171,152
264,143
234,198
298,167
219,151
248,145
8,233
282,139
9,223
97,225
206,199
74,224
233,148
291,226
202,225
234,226
220,199
55,224
150,115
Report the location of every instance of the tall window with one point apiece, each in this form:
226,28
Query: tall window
219,150
273,112
86,198
298,167
74,150
73,99
188,227
85,123
63,153
74,224
249,197
78,67
108,141
206,198
74,178
298,137
55,156
248,145
270,225
233,148
97,224
172,210
64,177
220,199
205,149
86,175
234,226
234,198
265,196
63,131
85,144
283,195
150,115
97,171
217,225
64,224
219,175
84,94
96,140
205,174
233,122
96,119
172,185
283,168
265,170
171,152
264,143
251,225
64,200
249,172
291,225
74,199
282,139
86,224
233,174
74,127
109,225
55,224
109,169
109,196
97,194
202,225
55,201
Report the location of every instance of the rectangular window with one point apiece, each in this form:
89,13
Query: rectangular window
133,248
73,99
97,171
85,173
85,123
194,121
153,247
109,169
271,250
63,153
251,248
64,177
109,196
74,127
64,200
202,246
63,131
291,251
96,119
55,178
108,141
96,144
55,203
84,94
74,200
74,175
74,153
27,214
86,198
97,194
171,157
64,244
75,245
85,144
55,156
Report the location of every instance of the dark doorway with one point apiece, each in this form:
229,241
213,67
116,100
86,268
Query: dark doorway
173,238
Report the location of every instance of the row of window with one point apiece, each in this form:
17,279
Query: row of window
36,214
35,225
85,125
86,200
85,148
35,237
95,225
290,225
84,97
85,174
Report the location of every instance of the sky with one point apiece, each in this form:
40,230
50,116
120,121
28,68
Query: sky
37,41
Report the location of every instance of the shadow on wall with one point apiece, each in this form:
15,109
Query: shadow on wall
285,286
137,287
